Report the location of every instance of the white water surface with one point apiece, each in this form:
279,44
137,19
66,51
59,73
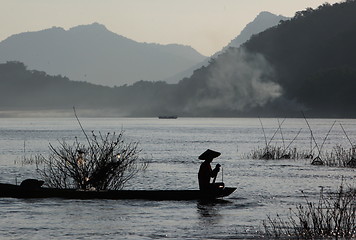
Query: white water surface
172,146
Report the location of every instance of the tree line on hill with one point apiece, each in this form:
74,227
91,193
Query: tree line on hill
314,57
22,89
306,63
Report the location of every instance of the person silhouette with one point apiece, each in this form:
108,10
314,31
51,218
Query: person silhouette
205,170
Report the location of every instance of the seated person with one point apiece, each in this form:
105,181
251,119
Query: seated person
205,170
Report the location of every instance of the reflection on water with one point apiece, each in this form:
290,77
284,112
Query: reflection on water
209,213
263,187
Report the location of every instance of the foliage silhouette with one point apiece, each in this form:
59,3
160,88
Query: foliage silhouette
106,162
306,63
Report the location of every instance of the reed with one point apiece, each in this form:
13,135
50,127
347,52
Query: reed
270,152
332,216
340,157
277,152
337,157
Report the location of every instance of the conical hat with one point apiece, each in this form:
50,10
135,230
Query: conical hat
209,154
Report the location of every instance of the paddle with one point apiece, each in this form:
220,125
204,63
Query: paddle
215,178
222,176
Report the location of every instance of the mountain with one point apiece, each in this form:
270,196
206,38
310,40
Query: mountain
26,92
314,58
23,90
94,54
307,63
263,21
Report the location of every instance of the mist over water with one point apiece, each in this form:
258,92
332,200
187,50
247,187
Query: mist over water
172,146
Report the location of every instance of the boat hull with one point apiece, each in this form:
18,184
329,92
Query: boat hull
15,191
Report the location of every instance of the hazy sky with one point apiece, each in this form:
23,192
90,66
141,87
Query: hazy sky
206,25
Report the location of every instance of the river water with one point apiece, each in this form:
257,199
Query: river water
172,146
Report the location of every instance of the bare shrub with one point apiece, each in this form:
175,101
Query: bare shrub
333,216
106,162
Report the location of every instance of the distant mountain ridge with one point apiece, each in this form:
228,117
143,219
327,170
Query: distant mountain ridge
94,54
262,21
307,63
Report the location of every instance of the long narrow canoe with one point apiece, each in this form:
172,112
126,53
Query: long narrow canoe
16,191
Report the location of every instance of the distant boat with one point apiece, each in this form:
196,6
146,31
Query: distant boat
168,117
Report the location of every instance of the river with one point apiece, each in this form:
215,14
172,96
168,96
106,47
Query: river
172,147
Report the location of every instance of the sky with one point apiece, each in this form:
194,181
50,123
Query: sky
205,25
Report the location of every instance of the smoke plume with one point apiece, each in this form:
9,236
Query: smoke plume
238,81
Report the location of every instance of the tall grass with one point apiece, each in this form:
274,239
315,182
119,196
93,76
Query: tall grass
341,157
332,216
277,152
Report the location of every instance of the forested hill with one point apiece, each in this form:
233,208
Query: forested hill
315,56
26,92
307,63
22,89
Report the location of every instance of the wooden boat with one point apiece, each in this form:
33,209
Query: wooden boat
17,191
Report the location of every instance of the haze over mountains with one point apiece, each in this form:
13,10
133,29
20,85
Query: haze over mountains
93,54
263,21
306,63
